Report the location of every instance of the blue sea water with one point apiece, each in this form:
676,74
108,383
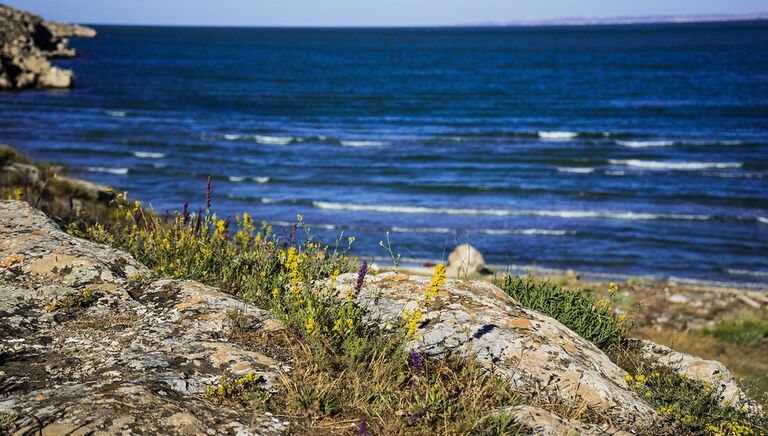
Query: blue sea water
624,150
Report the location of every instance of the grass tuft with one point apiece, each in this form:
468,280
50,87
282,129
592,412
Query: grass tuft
581,311
748,330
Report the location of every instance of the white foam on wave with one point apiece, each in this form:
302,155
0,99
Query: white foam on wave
558,135
642,144
662,165
542,232
239,179
616,173
148,155
273,140
762,219
363,143
120,171
232,137
118,114
545,232
575,170
503,212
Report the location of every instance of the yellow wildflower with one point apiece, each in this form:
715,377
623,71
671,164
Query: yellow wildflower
310,326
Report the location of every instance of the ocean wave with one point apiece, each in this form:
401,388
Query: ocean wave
273,140
148,155
662,165
363,143
616,173
502,212
159,165
120,171
575,170
746,272
239,179
544,232
118,114
261,139
558,135
641,144
762,219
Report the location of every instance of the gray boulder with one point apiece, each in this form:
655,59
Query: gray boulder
464,260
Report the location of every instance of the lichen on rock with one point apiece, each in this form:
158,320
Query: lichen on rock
139,357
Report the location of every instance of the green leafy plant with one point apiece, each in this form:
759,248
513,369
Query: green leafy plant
582,312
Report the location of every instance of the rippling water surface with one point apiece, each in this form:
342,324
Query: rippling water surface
627,150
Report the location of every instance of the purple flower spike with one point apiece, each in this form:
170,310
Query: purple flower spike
417,362
185,211
208,192
361,277
362,429
418,415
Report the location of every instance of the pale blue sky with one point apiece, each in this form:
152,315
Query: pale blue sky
366,12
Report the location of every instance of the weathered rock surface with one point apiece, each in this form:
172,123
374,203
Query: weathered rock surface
137,359
545,423
26,45
705,371
535,352
464,260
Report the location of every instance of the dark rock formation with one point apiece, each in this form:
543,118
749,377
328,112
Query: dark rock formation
26,45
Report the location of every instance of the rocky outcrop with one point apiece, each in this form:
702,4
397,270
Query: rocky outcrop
535,352
85,346
65,30
26,45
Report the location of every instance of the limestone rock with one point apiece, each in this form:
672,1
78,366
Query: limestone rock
535,352
137,359
545,423
21,174
26,44
56,77
705,371
64,30
464,260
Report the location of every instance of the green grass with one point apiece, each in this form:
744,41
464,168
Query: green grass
580,311
748,330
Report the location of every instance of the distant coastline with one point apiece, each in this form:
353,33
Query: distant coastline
566,21
654,19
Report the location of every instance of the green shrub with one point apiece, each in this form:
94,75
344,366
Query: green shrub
746,330
581,311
